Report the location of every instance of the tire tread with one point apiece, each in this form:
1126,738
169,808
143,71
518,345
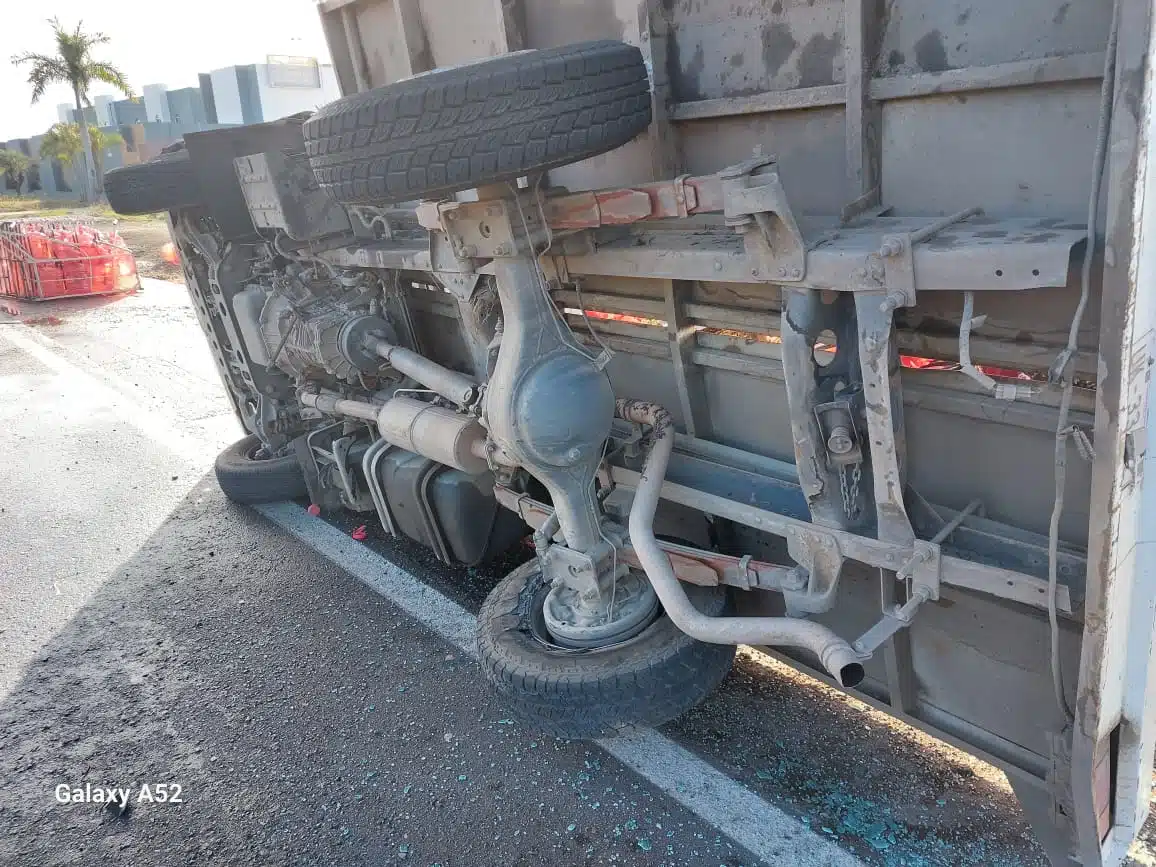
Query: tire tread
166,183
655,678
244,480
479,124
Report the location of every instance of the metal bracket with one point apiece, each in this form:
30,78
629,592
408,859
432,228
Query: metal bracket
481,230
339,449
899,270
923,570
461,286
892,266
755,204
574,569
371,467
817,552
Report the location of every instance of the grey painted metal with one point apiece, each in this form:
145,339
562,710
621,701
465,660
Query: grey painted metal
737,106
450,384
1114,705
861,25
426,429
353,44
836,655
435,432
282,194
687,375
982,255
1017,73
975,106
541,378
884,404
802,321
958,572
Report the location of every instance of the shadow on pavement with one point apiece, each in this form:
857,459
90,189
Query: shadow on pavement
307,723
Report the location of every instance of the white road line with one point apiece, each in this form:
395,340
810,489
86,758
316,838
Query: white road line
764,830
736,811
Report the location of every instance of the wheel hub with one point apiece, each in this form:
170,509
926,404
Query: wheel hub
621,613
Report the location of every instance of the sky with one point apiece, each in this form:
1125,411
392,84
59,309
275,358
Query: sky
152,43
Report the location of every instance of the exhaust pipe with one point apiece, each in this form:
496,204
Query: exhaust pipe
835,654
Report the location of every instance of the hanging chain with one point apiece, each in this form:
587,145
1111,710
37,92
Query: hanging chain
849,488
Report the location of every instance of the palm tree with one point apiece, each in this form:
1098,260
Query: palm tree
74,65
63,142
14,165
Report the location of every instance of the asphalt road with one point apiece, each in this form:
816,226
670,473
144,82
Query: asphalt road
323,714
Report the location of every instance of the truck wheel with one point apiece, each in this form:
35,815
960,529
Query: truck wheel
647,680
484,123
165,183
246,477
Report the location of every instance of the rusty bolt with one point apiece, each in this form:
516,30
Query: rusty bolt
840,442
450,216
795,273
891,247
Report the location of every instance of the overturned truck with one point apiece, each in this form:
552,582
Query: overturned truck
818,327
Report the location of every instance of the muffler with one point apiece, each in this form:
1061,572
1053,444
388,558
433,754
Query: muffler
434,432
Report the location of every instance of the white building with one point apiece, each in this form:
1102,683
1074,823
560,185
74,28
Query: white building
103,107
268,91
156,105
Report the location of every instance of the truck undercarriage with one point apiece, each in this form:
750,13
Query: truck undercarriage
721,420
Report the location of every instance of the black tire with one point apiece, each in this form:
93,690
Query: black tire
649,680
247,479
478,124
165,183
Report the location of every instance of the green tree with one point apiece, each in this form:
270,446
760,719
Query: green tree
63,142
74,65
14,166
